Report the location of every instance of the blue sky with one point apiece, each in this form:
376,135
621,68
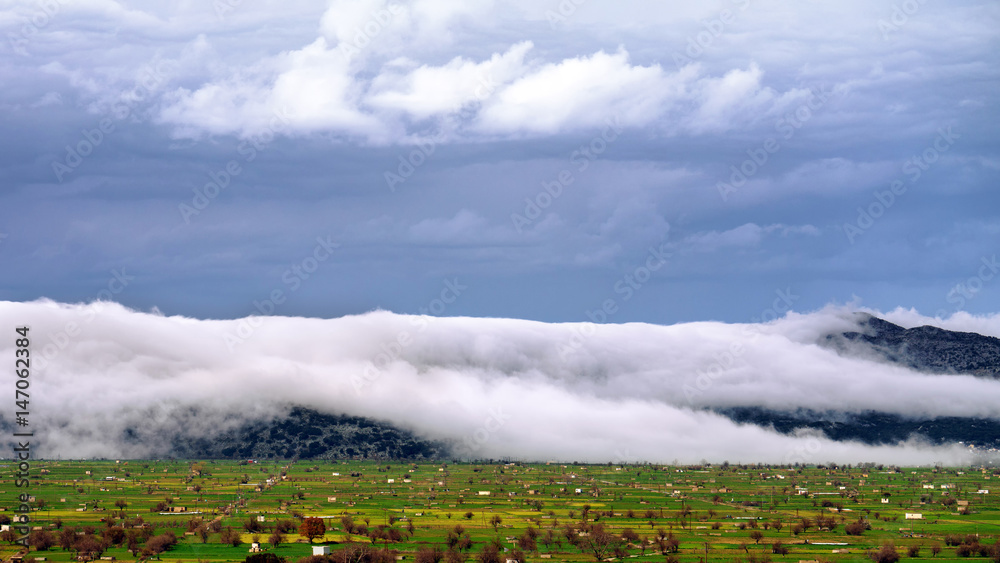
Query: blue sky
656,161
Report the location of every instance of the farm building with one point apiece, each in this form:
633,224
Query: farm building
321,550
914,516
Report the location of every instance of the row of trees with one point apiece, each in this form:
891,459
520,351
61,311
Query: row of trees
90,545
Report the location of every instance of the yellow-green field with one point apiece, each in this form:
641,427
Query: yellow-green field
718,513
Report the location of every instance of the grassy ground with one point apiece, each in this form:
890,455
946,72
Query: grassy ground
710,510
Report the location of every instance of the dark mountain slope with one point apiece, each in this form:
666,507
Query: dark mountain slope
305,434
925,348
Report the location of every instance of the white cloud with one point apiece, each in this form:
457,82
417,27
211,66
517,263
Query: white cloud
747,235
310,89
425,91
627,388
465,227
367,77
580,93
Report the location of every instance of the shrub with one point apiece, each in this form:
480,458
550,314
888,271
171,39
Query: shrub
855,528
263,558
886,554
230,536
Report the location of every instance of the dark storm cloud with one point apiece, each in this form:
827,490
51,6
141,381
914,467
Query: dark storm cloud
479,107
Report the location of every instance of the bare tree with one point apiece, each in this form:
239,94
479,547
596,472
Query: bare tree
9,536
886,554
41,540
600,543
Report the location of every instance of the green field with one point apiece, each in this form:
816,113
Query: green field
576,512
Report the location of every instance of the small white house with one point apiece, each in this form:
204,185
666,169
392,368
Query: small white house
914,516
885,501
321,550
390,481
484,493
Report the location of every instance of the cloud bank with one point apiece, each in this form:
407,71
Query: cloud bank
113,382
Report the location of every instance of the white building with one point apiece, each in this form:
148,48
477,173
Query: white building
321,550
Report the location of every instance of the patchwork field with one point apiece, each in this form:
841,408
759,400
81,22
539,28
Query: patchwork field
536,512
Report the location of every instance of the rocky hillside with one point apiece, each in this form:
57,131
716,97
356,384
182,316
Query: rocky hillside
924,348
874,427
308,434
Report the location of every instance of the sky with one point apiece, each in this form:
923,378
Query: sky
569,161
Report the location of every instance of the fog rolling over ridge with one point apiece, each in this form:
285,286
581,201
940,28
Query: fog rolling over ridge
112,382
